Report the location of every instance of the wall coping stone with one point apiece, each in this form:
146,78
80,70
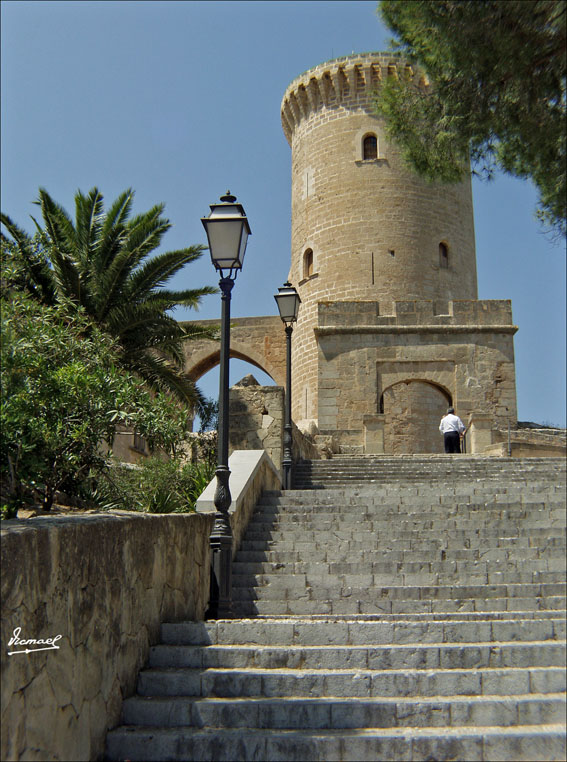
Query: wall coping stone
244,465
329,330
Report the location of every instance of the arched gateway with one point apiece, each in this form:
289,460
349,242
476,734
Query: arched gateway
259,341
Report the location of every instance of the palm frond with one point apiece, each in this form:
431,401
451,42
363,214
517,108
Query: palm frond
58,224
88,222
159,269
190,298
118,214
146,236
113,231
161,376
62,246
128,319
194,332
38,277
139,241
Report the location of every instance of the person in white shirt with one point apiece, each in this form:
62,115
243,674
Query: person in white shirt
453,430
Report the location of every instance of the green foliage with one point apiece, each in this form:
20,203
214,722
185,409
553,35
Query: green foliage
104,264
209,415
498,75
64,394
154,486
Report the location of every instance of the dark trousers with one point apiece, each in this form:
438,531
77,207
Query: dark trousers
452,442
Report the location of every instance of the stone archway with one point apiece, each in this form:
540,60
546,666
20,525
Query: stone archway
412,411
259,341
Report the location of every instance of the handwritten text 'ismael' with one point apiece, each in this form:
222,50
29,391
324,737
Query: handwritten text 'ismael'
37,644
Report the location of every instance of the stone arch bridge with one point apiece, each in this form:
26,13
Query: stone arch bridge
257,340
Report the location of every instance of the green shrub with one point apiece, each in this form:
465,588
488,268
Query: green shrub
63,396
154,486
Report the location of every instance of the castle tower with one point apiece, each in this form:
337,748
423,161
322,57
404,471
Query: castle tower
373,237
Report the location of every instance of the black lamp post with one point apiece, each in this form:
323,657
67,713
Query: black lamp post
227,231
288,302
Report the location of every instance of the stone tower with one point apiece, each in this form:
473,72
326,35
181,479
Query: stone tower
385,266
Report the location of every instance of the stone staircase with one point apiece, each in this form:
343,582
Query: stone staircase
450,469
414,609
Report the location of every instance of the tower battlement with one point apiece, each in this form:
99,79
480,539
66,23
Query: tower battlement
350,82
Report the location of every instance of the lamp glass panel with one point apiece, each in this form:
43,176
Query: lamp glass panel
288,305
225,242
243,242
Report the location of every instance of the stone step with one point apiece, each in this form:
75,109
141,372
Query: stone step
524,743
351,605
316,577
365,683
383,484
453,473
339,713
553,560
357,545
415,508
369,483
555,537
386,555
536,570
311,531
403,522
429,469
416,628
366,585
437,463
410,508
447,469
375,657
452,496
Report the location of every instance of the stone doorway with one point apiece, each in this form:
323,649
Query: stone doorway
412,411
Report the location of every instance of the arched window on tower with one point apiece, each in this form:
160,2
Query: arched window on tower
370,147
308,263
443,255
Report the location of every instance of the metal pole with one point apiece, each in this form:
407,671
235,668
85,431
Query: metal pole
221,536
287,460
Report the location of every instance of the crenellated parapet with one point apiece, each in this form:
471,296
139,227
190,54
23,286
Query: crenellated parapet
459,315
350,82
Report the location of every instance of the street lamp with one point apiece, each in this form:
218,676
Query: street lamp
227,232
288,302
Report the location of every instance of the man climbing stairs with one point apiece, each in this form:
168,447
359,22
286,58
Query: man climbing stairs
388,609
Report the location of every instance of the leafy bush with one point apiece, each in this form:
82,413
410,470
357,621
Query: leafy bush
63,396
154,486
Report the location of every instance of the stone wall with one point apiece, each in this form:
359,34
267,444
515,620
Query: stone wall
375,357
257,421
252,472
256,418
103,583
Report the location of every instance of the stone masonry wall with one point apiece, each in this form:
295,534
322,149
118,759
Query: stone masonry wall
256,419
104,584
463,348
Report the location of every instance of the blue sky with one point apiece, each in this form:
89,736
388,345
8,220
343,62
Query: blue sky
181,100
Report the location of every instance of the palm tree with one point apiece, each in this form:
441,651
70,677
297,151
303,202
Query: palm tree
102,263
